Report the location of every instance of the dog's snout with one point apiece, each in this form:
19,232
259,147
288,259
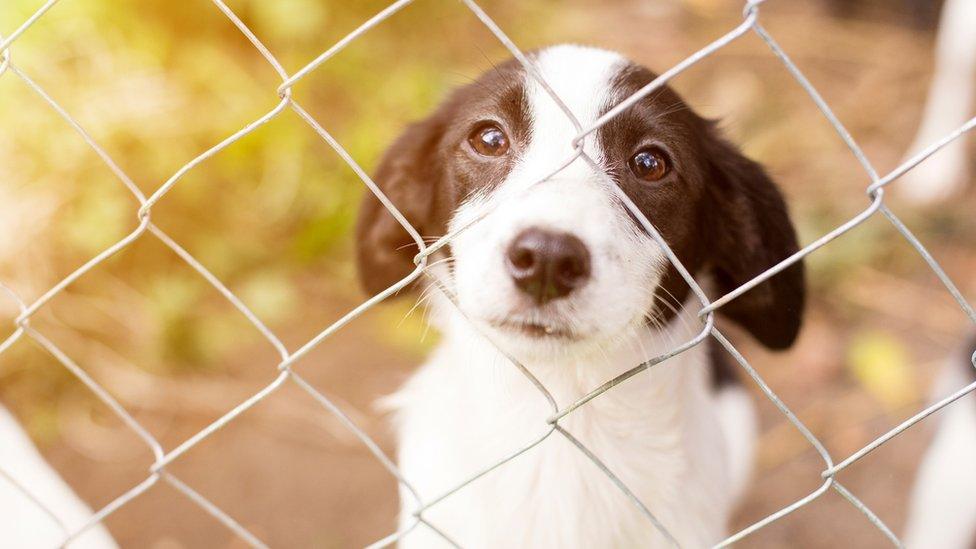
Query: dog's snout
547,265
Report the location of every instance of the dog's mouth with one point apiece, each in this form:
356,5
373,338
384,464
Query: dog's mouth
535,330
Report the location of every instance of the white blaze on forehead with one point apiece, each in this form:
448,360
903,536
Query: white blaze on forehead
581,77
625,263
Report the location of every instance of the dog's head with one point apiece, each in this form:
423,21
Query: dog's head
562,262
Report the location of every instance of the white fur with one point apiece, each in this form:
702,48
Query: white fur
468,406
22,523
943,502
949,104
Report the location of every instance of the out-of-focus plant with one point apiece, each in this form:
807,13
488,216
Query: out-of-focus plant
156,84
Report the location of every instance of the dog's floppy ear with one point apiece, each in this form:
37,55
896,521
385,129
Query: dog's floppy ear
749,230
410,175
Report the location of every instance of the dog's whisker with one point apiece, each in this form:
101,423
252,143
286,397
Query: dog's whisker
425,239
425,296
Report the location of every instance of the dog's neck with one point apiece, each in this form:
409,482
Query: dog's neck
469,406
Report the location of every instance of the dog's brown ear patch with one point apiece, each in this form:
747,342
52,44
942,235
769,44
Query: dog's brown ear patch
749,230
410,175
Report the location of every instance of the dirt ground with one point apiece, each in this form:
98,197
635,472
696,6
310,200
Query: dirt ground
291,474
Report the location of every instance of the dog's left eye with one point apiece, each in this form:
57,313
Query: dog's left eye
650,164
488,140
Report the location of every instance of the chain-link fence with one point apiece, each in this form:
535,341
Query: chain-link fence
159,470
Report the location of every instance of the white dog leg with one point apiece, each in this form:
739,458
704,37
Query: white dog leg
22,522
943,508
948,106
737,416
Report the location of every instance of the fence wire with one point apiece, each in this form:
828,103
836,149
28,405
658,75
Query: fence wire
285,374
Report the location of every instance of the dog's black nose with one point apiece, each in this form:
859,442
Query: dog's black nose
547,265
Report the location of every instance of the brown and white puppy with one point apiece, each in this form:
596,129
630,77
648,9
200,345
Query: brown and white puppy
559,276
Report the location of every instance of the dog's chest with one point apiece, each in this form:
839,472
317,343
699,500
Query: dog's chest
553,494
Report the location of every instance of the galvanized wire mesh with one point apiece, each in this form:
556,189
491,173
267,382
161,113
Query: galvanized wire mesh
285,374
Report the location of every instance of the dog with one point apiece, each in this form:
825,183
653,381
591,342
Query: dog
941,512
559,276
951,97
23,523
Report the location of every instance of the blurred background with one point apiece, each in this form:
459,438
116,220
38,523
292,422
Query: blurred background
157,83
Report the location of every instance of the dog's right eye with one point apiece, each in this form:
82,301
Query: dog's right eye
488,140
650,164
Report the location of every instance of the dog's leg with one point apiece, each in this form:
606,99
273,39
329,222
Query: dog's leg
949,104
737,417
22,523
943,512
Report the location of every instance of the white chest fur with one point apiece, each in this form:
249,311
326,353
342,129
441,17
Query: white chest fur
659,432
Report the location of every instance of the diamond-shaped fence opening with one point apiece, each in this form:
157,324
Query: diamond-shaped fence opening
282,373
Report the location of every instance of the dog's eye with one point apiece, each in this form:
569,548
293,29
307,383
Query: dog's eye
488,140
650,164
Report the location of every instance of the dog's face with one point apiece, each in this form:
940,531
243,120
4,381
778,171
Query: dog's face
561,263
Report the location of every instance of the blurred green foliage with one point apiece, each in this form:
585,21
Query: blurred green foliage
270,215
